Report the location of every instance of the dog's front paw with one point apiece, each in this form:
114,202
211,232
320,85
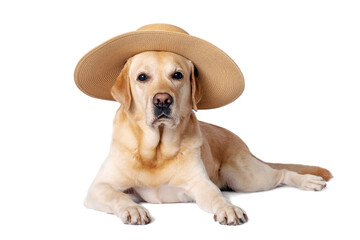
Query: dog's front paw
230,215
135,215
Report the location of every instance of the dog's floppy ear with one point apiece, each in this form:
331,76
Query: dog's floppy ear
121,90
195,88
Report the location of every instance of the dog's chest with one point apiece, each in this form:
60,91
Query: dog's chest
162,194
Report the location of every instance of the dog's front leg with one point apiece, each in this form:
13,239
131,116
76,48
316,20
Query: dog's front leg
103,197
209,198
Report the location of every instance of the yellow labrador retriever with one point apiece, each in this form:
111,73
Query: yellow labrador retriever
163,154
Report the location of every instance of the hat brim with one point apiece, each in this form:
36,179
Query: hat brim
220,78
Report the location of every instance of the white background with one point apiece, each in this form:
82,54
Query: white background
301,62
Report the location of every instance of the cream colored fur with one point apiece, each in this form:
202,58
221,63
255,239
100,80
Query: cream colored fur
178,159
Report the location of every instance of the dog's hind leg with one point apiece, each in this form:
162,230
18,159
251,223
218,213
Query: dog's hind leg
246,173
249,175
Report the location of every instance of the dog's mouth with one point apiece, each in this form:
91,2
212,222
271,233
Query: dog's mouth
163,116
163,119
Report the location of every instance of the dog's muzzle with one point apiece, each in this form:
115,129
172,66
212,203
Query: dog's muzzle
162,103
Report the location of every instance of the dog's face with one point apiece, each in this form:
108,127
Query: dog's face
159,87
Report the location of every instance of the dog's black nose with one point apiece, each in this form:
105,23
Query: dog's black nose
162,100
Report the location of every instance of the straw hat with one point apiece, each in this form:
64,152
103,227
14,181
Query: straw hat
220,78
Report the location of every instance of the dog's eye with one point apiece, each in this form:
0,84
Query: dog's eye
142,77
177,75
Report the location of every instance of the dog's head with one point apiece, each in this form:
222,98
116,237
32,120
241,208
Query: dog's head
160,87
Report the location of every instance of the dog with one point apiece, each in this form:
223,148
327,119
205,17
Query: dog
163,154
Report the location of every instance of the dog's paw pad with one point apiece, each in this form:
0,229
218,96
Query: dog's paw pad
135,215
230,215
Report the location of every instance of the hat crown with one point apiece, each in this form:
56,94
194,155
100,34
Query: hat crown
162,27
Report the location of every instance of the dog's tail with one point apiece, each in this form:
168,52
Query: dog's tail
302,169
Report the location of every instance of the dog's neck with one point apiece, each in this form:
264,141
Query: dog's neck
154,146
